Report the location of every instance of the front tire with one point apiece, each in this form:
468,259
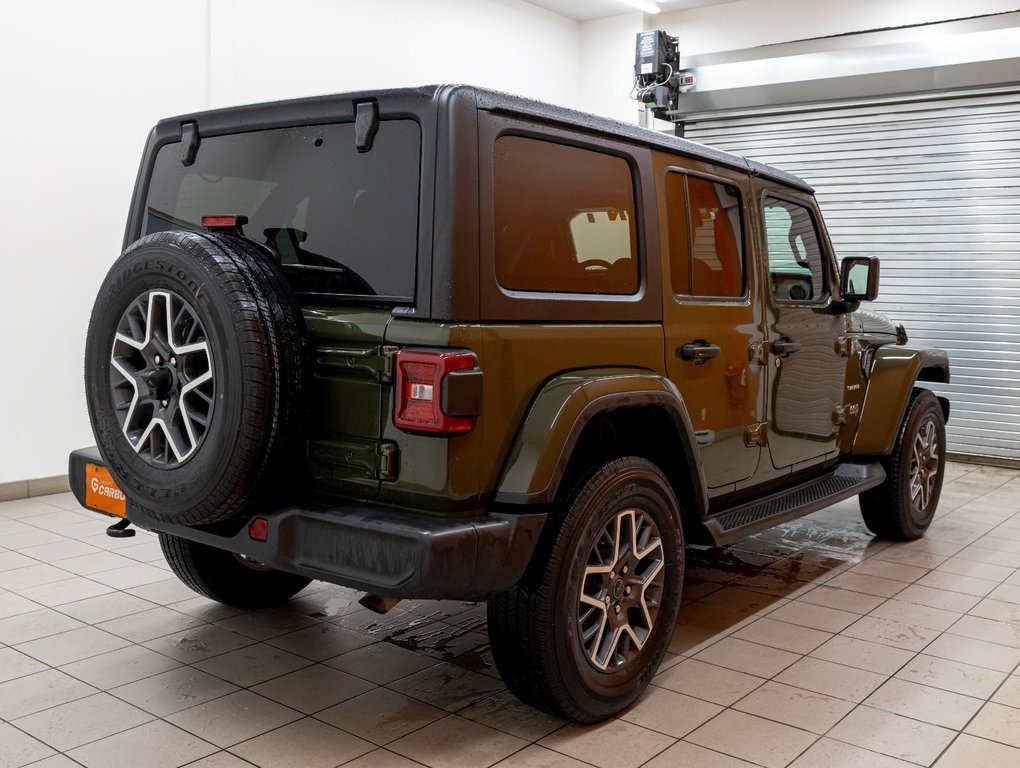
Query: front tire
904,505
584,631
228,578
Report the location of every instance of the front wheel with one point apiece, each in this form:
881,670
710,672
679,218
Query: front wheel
904,505
226,577
585,629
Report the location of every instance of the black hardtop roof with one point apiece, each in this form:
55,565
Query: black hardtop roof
319,109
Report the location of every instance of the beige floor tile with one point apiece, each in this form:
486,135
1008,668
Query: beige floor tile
203,608
807,710
841,599
233,718
999,632
78,722
308,743
134,575
199,643
691,640
381,662
977,569
668,712
893,735
321,641
173,691
922,702
381,715
532,756
1009,693
889,570
897,554
252,664
952,676
976,652
971,752
18,748
505,712
831,679
61,550
57,761
72,645
57,593
267,623
379,758
447,686
613,744
955,583
916,615
32,538
34,693
31,576
686,754
165,592
150,624
707,681
313,688
826,753
99,561
863,654
997,722
751,738
750,658
943,599
779,634
225,760
120,667
161,744
35,624
814,616
454,742
982,555
14,664
112,605
869,585
11,560
997,610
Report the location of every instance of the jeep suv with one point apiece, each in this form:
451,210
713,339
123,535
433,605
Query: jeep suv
451,343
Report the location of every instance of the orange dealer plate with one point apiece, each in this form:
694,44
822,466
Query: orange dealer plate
101,493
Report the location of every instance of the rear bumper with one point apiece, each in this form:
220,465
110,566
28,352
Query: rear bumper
382,550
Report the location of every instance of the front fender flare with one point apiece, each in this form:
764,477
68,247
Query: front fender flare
558,415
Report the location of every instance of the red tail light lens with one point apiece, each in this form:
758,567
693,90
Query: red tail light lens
420,385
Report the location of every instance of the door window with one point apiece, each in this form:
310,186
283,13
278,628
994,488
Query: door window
706,249
796,263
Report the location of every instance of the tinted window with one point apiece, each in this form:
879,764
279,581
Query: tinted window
564,219
705,237
342,222
796,263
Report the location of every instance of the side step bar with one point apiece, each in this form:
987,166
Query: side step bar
846,480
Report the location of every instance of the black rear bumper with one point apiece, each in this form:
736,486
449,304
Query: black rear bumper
382,550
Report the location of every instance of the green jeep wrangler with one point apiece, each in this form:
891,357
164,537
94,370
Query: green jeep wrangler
450,343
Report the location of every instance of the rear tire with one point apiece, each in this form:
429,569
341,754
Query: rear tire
904,505
227,578
584,631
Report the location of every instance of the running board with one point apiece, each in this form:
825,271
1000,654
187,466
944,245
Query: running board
844,481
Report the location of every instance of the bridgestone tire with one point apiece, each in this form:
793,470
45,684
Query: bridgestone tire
224,577
257,358
895,510
535,629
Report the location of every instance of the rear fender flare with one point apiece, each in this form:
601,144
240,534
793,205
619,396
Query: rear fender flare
558,415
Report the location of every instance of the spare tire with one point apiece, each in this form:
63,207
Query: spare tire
194,376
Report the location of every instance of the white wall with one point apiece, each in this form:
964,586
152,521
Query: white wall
84,82
607,65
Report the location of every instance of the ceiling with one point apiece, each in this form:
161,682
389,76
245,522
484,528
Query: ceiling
583,10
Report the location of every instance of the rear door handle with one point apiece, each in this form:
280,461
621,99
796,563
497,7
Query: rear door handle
783,347
699,351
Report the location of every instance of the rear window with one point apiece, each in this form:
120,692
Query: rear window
564,219
343,222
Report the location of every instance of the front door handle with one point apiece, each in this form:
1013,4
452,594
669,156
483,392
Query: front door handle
783,347
699,351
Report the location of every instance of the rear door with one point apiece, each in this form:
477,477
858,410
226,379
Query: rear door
713,322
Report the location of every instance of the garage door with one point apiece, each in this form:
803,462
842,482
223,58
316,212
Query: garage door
932,187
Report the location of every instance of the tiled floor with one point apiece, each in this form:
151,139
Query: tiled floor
809,646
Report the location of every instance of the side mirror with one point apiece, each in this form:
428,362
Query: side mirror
858,278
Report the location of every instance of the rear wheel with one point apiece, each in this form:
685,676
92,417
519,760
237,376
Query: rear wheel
904,505
226,577
585,629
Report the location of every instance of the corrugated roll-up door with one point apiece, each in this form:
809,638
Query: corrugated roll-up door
932,186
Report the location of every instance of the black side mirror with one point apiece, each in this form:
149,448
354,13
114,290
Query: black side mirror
858,278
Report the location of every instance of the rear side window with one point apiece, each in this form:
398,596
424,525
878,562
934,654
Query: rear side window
706,244
796,262
343,222
564,219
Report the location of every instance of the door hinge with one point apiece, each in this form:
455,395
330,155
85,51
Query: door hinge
756,434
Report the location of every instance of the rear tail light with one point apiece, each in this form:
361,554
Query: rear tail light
437,392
